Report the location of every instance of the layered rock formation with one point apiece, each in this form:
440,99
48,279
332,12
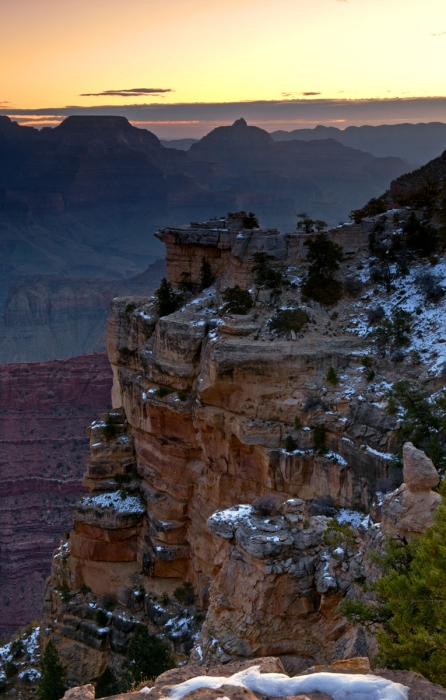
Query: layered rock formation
213,416
44,407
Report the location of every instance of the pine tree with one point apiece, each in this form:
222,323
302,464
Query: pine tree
147,657
250,221
332,376
206,276
167,301
324,257
51,684
107,684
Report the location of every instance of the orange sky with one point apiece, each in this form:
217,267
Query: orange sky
236,50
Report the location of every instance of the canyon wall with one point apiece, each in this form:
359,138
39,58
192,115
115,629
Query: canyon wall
44,407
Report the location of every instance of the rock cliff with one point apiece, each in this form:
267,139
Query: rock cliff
44,407
241,456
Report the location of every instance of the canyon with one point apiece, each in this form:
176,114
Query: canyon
44,409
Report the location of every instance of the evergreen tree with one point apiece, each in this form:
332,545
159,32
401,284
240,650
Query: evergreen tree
324,257
107,684
147,657
206,277
167,301
52,680
411,603
332,376
250,221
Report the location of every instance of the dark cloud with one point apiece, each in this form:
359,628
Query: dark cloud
181,120
131,92
299,94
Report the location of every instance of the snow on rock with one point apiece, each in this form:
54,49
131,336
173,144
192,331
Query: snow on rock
351,517
340,686
116,500
224,522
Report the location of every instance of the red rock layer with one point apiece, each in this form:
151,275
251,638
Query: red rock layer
44,407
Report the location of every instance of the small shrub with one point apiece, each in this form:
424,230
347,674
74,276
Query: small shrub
165,599
186,284
320,438
207,277
10,669
353,286
250,221
65,592
110,429
324,505
266,276
237,300
266,506
429,286
370,375
394,332
287,320
17,648
374,315
163,391
185,593
332,376
84,589
101,618
391,482
420,236
312,403
338,534
367,362
183,394
130,307
297,423
290,444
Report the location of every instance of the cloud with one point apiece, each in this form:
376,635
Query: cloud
299,94
5,103
131,92
440,34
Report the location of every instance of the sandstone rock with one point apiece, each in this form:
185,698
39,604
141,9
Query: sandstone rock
419,472
83,692
409,510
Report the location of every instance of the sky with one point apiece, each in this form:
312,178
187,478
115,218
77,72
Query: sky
180,67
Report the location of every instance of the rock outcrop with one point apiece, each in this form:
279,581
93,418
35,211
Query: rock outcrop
266,678
44,406
409,510
233,461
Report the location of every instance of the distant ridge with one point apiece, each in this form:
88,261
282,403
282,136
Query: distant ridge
416,143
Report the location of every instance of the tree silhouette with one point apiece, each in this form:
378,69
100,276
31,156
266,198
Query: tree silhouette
52,680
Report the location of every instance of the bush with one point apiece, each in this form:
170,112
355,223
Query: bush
297,423
186,284
17,648
266,506
250,221
308,225
109,429
266,276
420,237
374,315
163,391
324,257
394,332
374,207
312,403
338,534
237,300
183,394
290,444
185,593
320,438
287,320
130,307
353,286
108,684
11,669
429,286
147,657
167,301
101,618
207,278
65,592
382,274
52,679
332,376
